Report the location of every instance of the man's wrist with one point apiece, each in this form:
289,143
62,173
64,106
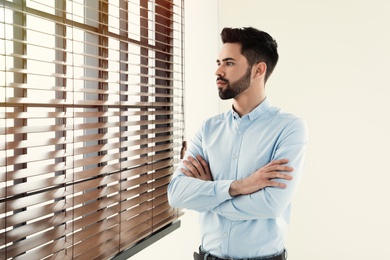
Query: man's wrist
234,189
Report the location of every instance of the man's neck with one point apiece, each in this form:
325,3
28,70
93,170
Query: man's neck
245,103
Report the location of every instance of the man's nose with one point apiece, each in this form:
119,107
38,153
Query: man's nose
220,72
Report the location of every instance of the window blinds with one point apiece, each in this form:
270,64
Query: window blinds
91,124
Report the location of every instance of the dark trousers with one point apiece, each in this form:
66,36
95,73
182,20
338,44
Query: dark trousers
204,256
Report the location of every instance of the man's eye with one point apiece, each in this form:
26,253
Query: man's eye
229,63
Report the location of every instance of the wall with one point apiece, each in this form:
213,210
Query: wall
333,71
334,58
201,102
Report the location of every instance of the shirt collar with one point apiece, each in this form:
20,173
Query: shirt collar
256,112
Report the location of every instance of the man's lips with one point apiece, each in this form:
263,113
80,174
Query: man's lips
221,82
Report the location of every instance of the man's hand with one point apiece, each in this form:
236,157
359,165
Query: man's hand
263,177
197,168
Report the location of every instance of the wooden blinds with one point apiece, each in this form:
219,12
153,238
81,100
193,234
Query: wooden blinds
91,124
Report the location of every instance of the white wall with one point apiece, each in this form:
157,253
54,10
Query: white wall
334,57
201,49
334,72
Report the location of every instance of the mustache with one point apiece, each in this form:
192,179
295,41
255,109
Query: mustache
222,79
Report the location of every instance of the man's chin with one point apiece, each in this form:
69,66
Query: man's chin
222,96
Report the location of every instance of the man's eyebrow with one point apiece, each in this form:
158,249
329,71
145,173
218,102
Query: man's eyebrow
226,59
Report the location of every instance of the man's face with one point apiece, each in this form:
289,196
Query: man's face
234,74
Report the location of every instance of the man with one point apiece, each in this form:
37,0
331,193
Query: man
243,166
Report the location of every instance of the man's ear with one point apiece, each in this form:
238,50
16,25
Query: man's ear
260,69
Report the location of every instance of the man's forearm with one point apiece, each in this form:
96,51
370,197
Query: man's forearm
234,189
263,177
198,195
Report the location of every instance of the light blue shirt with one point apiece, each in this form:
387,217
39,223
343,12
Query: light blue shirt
252,225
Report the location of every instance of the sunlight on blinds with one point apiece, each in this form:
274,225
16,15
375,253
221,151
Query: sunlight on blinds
91,124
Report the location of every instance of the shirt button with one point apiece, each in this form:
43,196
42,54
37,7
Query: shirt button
225,234
234,157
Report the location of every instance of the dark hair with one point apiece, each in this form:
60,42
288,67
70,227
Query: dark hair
256,46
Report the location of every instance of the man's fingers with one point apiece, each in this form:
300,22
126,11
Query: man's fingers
280,168
279,175
277,162
277,184
273,176
190,166
199,167
196,169
186,172
204,164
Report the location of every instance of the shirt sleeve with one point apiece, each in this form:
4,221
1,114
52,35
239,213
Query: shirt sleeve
191,193
271,202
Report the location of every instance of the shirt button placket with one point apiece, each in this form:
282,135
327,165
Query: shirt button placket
225,238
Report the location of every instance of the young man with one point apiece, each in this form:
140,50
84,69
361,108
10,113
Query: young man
243,166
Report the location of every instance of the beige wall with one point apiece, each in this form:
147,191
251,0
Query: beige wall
334,72
201,46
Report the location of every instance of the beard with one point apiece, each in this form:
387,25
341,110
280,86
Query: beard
235,88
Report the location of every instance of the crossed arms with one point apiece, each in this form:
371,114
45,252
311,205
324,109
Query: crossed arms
265,193
264,177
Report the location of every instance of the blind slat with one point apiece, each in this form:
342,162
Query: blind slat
88,103
76,114
57,248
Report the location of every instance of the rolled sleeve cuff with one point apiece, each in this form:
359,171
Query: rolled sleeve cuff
221,190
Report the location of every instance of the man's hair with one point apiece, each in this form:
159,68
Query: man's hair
257,46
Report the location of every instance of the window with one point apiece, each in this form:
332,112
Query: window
91,124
